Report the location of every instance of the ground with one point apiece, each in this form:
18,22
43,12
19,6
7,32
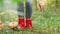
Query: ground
47,22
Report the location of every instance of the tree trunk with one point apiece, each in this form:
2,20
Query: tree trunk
56,3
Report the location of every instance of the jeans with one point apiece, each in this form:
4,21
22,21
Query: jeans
28,8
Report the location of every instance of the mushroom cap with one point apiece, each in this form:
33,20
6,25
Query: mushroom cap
12,24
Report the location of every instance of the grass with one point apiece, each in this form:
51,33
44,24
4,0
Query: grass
47,22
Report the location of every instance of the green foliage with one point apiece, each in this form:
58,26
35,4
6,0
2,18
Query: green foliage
47,22
43,23
1,1
4,16
15,1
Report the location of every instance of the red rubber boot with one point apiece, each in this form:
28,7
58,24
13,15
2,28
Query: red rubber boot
21,23
29,24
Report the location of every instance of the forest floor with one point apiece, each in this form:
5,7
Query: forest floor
47,22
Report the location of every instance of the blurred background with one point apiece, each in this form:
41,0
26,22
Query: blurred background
47,22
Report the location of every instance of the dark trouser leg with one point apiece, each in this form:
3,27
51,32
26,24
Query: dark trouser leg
20,9
28,10
21,15
28,15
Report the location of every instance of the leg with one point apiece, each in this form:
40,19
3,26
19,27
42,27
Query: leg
20,9
28,14
41,7
21,15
